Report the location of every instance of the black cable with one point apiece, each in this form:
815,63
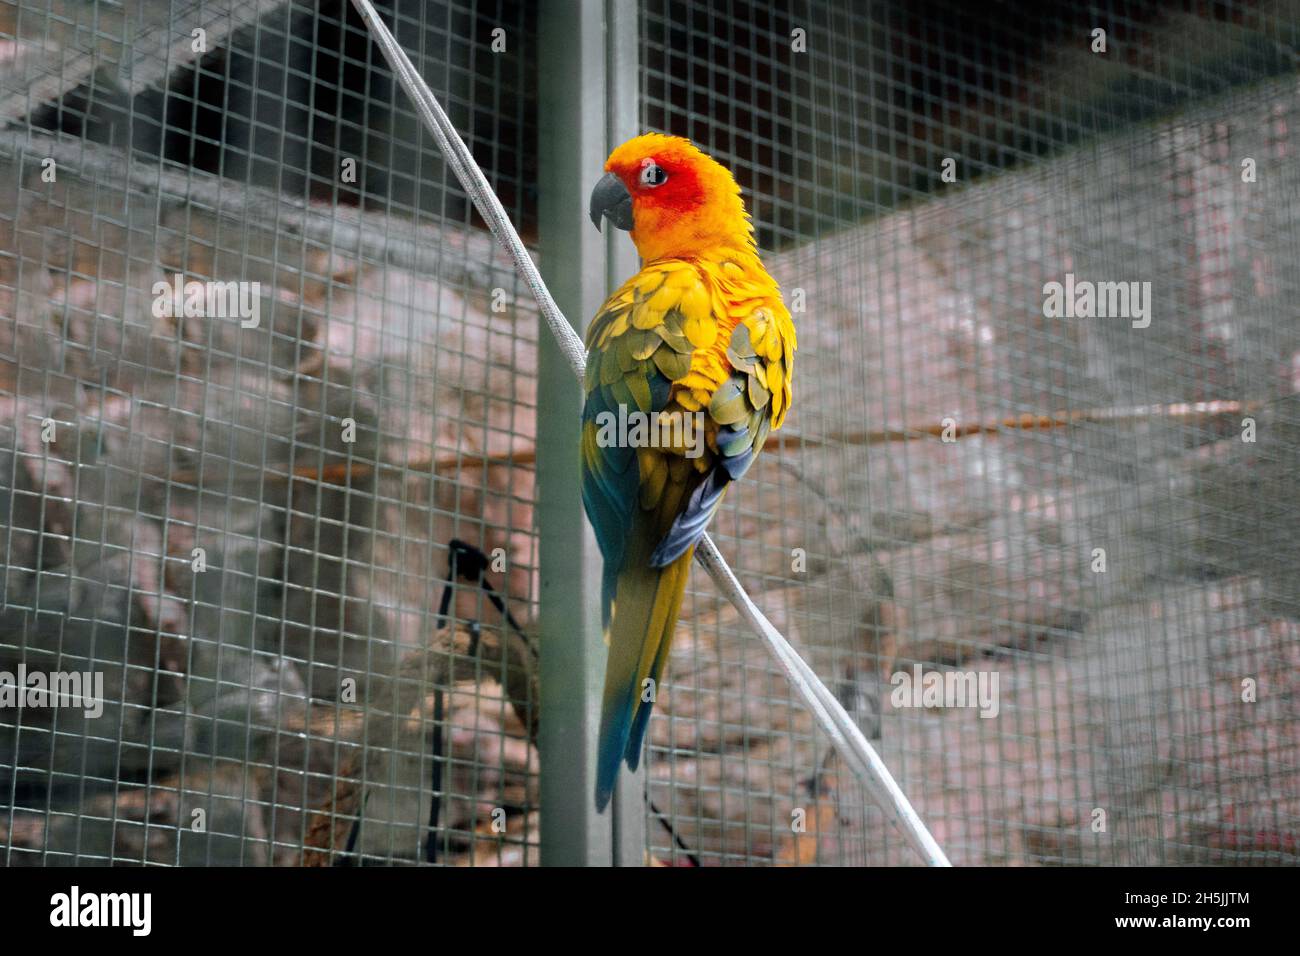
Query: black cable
667,825
435,801
456,552
473,560
465,560
475,565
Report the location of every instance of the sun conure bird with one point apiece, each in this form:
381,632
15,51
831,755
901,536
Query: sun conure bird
700,329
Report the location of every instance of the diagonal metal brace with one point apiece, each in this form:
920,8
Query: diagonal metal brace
845,735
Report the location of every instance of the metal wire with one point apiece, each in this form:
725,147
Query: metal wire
955,464
830,713
953,456
255,710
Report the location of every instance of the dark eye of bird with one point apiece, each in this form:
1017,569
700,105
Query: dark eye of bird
653,175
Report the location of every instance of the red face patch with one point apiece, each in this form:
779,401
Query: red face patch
680,192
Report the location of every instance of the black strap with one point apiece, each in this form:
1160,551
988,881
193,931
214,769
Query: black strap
464,561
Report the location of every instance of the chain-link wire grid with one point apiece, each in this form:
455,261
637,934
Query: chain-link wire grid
296,701
244,521
1126,568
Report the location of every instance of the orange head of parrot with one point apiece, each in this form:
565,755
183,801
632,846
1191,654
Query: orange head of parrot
676,201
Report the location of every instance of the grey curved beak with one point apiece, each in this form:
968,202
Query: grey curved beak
611,200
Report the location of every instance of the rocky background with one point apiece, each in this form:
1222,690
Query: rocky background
297,698
1120,691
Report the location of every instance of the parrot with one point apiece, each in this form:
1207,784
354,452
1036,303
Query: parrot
702,338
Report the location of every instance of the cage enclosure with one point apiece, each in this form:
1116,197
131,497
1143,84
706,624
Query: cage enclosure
294,568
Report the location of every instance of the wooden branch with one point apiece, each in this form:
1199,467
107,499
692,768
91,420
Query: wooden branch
526,457
1186,411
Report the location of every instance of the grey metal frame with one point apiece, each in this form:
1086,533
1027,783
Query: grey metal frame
588,101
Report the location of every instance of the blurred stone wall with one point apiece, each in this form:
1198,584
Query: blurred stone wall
1120,691
325,557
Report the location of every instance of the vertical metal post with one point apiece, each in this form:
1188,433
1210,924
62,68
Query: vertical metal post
572,149
622,122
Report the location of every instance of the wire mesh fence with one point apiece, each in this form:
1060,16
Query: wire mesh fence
270,407
1121,566
242,517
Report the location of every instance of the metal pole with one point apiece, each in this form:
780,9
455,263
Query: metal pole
571,152
829,713
622,122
